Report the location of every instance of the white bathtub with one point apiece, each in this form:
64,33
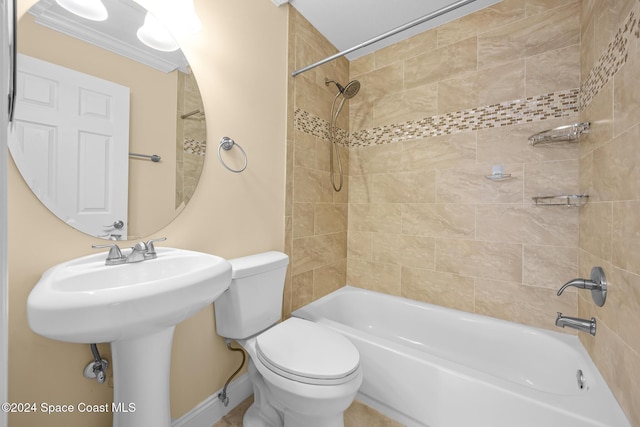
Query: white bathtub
426,365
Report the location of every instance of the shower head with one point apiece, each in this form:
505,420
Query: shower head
351,89
348,91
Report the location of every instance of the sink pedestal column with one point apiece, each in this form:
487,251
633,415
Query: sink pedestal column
141,380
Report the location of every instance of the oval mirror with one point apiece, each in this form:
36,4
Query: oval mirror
109,133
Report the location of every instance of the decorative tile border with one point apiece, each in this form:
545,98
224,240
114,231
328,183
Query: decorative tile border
612,59
316,126
537,108
558,104
193,146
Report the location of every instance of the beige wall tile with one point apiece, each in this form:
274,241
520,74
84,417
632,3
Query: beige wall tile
482,88
616,171
442,63
626,95
311,185
383,218
595,229
378,159
313,252
361,188
435,287
414,46
374,276
329,278
407,187
410,251
524,304
330,218
539,33
303,219
619,365
492,260
626,235
551,178
534,7
411,104
600,114
494,16
360,113
380,82
301,290
361,65
360,245
549,266
527,224
439,220
553,71
440,152
471,186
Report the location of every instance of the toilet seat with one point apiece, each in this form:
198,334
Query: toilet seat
306,352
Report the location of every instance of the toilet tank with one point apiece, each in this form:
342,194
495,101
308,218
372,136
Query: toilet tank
253,301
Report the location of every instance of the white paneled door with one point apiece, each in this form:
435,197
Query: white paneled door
71,143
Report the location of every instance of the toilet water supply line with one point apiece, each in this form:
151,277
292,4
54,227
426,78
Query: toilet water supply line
223,395
96,369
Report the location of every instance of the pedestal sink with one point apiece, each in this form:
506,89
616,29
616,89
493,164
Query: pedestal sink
135,308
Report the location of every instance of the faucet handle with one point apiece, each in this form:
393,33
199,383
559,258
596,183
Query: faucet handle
115,254
151,249
597,284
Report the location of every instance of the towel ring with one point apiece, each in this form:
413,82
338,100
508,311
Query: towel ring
228,143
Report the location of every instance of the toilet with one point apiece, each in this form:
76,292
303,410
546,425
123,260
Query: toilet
303,374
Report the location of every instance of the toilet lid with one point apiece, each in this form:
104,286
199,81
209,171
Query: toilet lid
307,352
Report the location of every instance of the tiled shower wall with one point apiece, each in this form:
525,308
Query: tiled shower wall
610,173
436,113
316,215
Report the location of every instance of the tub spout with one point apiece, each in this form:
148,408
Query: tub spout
583,325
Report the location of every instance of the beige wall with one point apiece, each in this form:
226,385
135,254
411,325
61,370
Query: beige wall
316,214
609,172
229,215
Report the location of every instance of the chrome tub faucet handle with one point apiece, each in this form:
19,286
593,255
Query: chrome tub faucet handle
597,284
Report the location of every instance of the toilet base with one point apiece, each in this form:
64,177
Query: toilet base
268,411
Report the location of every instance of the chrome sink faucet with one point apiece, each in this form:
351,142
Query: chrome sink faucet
139,252
583,325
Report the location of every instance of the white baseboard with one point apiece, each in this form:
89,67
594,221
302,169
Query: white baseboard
211,410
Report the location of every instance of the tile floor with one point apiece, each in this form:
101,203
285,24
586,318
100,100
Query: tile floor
358,415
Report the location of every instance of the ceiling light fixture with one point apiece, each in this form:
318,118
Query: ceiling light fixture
88,9
155,35
179,16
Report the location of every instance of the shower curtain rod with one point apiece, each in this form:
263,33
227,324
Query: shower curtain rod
390,33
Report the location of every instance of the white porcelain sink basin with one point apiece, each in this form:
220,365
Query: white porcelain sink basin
135,307
85,301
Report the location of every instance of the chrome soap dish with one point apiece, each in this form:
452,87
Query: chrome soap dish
570,200
560,134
